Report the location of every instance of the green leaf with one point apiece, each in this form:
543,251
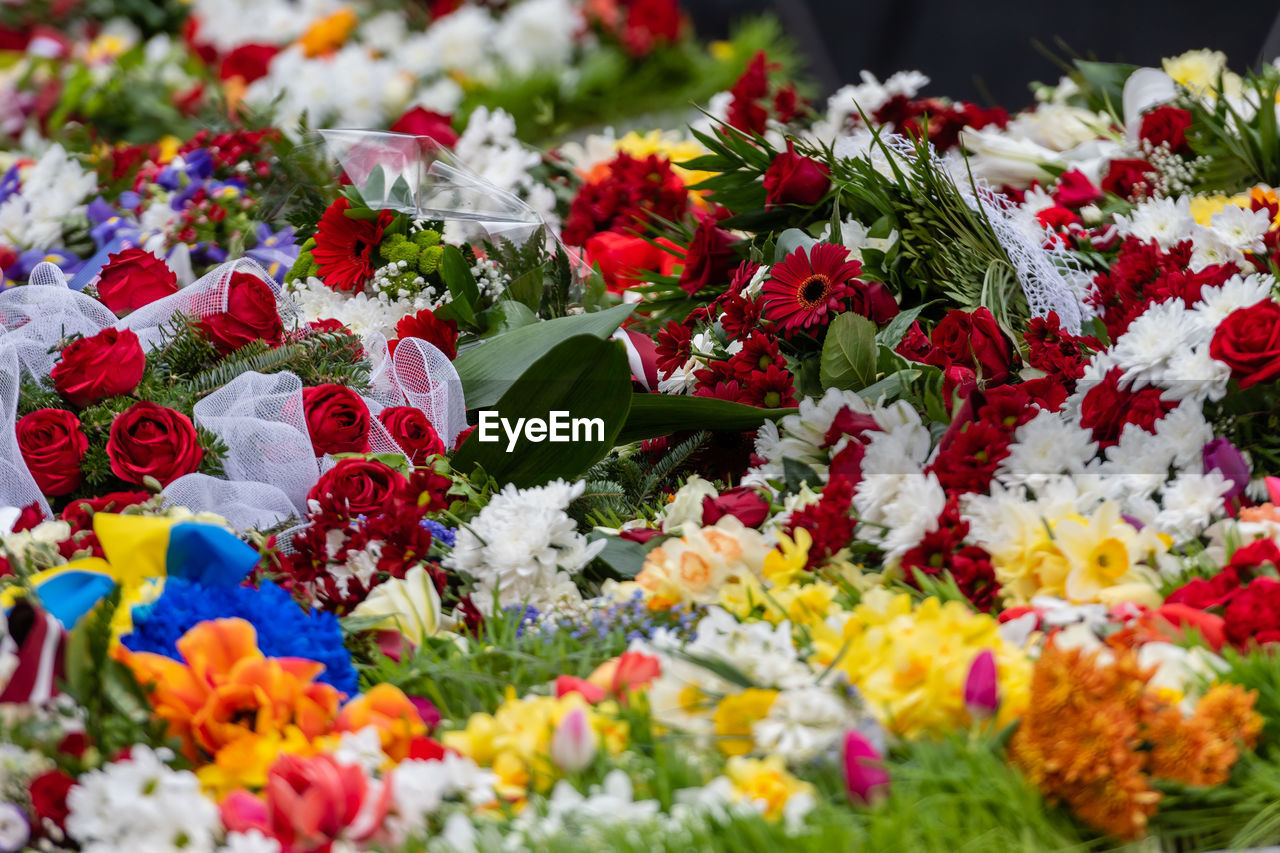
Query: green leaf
624,557
376,186
790,240
654,415
505,316
891,334
583,377
457,276
489,369
797,474
1105,84
849,353
891,387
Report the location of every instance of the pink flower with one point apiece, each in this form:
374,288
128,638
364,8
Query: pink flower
980,694
864,772
573,745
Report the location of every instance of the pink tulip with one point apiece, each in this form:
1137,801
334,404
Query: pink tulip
980,693
864,771
573,745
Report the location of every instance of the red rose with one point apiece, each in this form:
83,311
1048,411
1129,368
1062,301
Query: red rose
152,441
356,487
1167,125
251,315
1129,179
249,62
420,121
134,278
709,259
1075,190
1248,342
109,364
972,340
53,446
624,258
48,793
873,300
651,23
442,334
914,345
743,502
337,419
793,179
413,432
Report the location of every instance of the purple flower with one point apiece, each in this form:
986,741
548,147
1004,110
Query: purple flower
27,261
1223,456
275,251
9,183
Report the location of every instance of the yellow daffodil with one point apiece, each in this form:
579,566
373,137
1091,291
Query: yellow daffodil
734,716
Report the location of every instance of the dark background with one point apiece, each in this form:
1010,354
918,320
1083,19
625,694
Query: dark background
984,51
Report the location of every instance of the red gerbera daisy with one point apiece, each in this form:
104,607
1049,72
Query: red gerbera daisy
808,286
344,246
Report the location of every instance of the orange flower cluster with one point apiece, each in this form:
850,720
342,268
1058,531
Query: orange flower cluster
1095,735
235,710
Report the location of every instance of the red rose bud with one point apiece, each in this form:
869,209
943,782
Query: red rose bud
1166,125
743,502
413,432
709,259
973,340
153,441
134,278
980,693
1248,341
794,179
53,446
420,121
1074,190
251,315
337,419
865,776
1222,456
109,364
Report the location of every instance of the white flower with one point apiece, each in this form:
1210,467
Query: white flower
682,380
687,504
537,35
1167,221
523,548
1002,160
1047,445
1188,504
1209,248
252,841
14,827
1235,293
1155,337
1242,229
419,788
803,723
141,804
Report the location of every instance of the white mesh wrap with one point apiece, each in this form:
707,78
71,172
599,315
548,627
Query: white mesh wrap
430,382
245,504
1051,278
17,486
37,316
203,298
262,421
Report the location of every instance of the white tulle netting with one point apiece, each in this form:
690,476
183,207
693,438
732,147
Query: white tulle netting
1051,278
17,486
270,464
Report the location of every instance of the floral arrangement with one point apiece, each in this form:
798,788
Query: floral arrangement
936,459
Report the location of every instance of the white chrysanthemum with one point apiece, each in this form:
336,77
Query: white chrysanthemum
53,191
1186,432
1242,229
1239,291
141,804
253,841
895,511
1189,503
463,41
1045,446
419,788
803,723
1193,374
537,35
523,548
1152,340
1167,221
1210,249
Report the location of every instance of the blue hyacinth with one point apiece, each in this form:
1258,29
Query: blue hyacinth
284,629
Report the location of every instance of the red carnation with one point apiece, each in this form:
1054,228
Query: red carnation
1107,407
249,62
48,793
442,334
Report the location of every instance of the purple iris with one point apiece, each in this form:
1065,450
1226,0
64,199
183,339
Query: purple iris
21,269
192,167
9,183
108,224
276,251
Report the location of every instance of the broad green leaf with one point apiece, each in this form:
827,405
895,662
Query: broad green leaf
891,387
849,353
654,415
790,240
490,368
623,557
891,334
376,186
587,382
798,474
461,283
505,316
